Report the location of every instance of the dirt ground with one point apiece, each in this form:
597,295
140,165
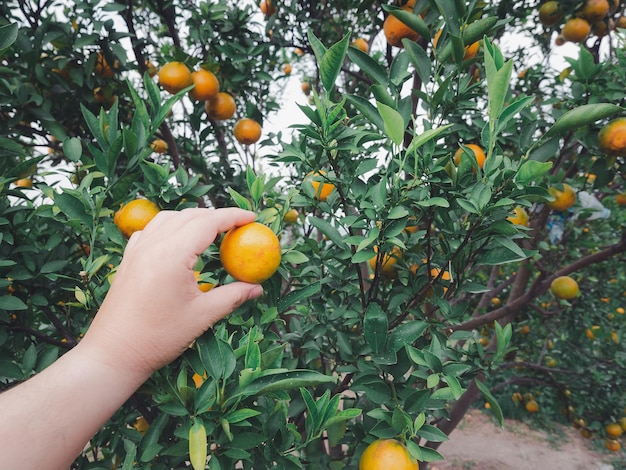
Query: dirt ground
479,444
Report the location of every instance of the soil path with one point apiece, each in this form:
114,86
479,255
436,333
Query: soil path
480,444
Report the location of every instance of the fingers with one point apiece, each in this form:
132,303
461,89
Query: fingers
219,302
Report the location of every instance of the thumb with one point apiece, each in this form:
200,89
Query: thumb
220,301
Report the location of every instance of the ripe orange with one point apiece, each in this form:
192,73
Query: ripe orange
613,445
621,22
322,190
479,154
134,216
267,8
287,69
564,287
174,76
621,199
386,454
532,406
361,44
563,200
612,137
388,263
471,50
550,13
576,30
206,85
519,217
159,146
613,430
198,379
595,10
250,253
395,30
102,68
306,88
151,69
221,107
203,286
524,330
291,217
620,310
247,131
24,183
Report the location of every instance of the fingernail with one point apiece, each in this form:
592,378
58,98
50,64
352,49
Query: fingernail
255,292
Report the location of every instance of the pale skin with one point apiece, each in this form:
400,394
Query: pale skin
152,313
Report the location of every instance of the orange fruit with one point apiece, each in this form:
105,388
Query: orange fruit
250,253
388,263
142,425
206,85
613,430
198,379
595,10
479,154
532,406
291,216
102,68
203,286
322,190
613,445
395,31
24,183
104,96
620,199
134,216
361,44
306,88
550,13
221,107
564,287
519,217
524,330
159,146
247,131
386,454
287,69
174,76
576,30
267,8
601,28
563,200
620,310
621,22
612,137
471,50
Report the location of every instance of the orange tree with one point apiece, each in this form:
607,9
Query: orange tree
405,285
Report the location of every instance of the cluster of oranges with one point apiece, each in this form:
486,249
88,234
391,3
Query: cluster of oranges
219,105
591,17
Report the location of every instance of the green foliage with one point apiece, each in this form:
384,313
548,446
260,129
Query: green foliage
380,321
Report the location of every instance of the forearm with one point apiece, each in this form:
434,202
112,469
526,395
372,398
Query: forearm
47,421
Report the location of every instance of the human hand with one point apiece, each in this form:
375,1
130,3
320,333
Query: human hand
154,308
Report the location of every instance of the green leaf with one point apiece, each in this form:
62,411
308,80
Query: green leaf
332,61
217,355
9,302
471,33
327,229
582,116
368,110
531,171
273,381
131,455
425,137
433,201
419,59
368,65
495,406
72,207
241,201
298,295
413,21
8,35
432,433
394,124
241,415
318,48
375,326
72,148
